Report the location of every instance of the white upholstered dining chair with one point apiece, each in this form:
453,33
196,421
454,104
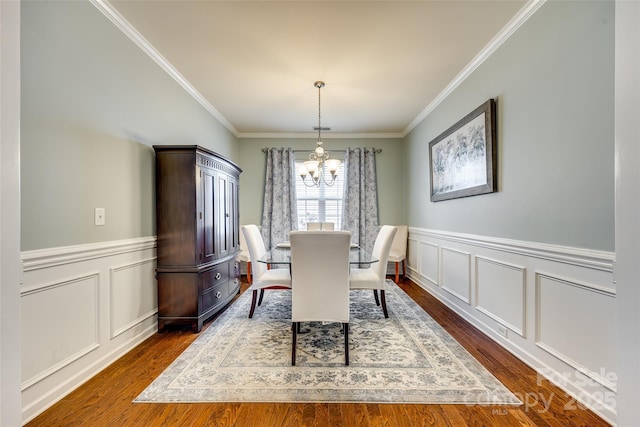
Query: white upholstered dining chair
320,296
398,252
263,278
244,256
375,276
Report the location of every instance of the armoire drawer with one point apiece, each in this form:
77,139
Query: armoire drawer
214,296
214,277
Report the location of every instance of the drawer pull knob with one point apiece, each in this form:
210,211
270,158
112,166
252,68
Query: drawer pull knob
218,276
218,294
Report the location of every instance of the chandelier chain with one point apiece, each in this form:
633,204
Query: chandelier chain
319,126
319,85
319,158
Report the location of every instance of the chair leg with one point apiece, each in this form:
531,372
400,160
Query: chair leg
261,296
404,268
294,328
249,272
375,295
345,326
397,268
384,304
253,303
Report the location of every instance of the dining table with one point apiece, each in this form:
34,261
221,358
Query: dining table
280,254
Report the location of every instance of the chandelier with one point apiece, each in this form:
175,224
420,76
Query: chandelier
318,159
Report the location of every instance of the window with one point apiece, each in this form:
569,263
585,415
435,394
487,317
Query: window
320,204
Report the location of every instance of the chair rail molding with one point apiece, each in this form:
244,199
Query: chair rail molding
52,257
598,260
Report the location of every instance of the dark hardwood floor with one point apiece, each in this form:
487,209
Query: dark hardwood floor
105,400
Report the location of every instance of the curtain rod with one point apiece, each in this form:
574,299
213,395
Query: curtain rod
265,149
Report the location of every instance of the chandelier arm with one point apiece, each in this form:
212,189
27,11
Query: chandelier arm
323,176
315,182
311,184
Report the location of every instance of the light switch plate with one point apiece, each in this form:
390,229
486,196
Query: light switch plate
98,216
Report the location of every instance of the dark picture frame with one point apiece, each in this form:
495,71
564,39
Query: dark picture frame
463,159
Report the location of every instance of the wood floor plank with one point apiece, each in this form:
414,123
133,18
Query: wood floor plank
374,415
322,415
360,415
335,415
106,399
348,414
293,415
309,415
247,413
453,416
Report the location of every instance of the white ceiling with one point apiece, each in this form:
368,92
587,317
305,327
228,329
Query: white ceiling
253,63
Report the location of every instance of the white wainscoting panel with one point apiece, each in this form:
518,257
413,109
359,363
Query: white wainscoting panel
558,304
500,290
129,297
583,340
82,307
430,262
456,273
412,254
49,313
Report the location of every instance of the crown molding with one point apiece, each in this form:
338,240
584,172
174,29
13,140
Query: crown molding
124,26
309,135
507,31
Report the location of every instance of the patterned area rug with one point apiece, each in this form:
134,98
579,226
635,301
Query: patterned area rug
407,358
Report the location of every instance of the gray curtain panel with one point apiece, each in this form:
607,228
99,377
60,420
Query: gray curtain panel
279,214
360,206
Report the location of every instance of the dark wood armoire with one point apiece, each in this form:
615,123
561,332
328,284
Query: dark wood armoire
197,222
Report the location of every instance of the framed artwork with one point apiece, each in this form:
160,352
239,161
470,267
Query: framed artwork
463,159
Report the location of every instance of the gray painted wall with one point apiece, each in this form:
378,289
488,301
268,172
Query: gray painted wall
92,105
553,81
389,166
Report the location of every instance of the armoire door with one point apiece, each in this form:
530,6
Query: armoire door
234,215
208,229
224,215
